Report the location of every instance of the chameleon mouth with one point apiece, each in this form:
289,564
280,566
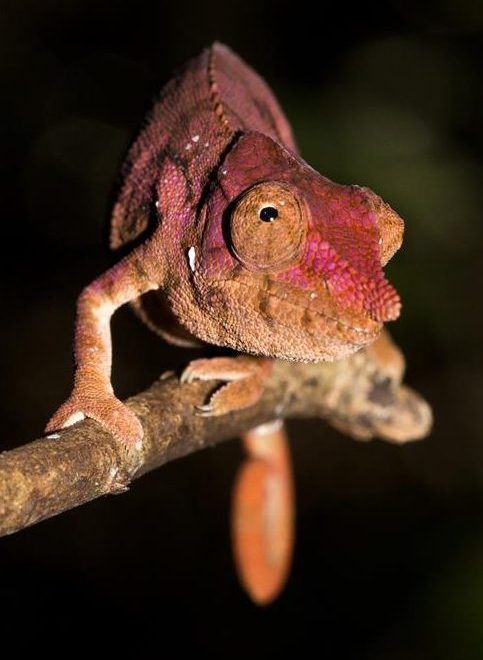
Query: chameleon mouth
319,304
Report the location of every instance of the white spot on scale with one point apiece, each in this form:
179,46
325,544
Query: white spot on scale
195,138
192,258
313,295
380,241
157,204
188,147
139,445
74,418
53,436
224,172
207,144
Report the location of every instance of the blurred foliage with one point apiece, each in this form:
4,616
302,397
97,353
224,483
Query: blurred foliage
389,561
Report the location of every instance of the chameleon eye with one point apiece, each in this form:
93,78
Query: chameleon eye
267,227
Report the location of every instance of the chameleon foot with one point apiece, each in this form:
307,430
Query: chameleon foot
105,409
245,382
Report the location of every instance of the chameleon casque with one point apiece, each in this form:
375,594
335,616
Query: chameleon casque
232,239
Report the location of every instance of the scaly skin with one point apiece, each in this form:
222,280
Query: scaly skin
237,242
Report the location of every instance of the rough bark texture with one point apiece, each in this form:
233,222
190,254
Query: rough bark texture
361,396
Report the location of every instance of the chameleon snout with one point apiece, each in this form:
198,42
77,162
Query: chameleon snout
354,235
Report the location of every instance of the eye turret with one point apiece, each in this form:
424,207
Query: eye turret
267,227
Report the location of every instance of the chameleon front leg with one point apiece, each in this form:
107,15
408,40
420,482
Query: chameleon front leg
263,513
92,395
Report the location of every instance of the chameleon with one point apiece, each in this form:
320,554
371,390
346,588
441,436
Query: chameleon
226,236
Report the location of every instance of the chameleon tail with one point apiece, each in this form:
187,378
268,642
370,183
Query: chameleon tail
263,513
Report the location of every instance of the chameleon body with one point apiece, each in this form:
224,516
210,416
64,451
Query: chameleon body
232,239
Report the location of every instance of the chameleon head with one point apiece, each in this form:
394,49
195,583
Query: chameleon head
291,263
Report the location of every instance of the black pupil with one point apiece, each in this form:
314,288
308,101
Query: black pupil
268,214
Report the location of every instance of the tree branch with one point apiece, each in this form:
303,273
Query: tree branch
361,396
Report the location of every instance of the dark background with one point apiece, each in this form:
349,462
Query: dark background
389,557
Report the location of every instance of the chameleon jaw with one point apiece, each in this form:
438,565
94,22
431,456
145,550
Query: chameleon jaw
283,324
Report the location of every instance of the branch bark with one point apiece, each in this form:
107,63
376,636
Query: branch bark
361,395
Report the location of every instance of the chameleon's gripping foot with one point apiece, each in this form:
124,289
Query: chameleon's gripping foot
244,376
263,514
105,409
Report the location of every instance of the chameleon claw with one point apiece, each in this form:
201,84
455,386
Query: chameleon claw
186,377
205,411
210,409
204,408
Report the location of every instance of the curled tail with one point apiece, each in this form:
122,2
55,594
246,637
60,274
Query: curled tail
263,513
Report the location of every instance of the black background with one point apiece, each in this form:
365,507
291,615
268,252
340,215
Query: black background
389,557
